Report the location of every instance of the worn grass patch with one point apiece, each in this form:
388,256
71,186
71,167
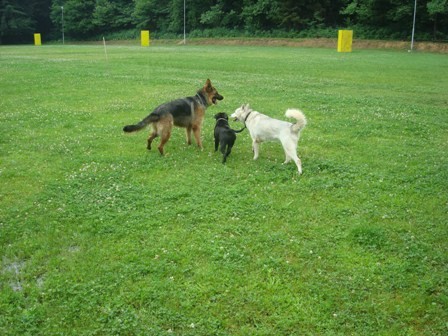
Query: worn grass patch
98,236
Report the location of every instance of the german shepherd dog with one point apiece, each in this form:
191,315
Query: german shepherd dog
186,112
224,136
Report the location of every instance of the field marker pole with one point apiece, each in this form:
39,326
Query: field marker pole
62,11
105,49
345,40
185,38
145,39
37,39
413,25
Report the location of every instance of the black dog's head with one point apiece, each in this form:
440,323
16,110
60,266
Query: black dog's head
221,115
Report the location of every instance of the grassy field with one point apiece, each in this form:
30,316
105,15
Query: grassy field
99,236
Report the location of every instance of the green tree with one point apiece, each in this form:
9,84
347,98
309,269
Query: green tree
176,15
260,14
16,22
298,15
151,14
86,18
113,14
225,14
384,17
78,17
438,12
19,19
40,14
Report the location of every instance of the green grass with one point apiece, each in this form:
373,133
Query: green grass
98,236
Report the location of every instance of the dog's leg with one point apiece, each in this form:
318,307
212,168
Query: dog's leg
291,153
152,136
299,165
255,148
188,133
229,150
287,150
225,150
216,143
164,139
164,128
197,135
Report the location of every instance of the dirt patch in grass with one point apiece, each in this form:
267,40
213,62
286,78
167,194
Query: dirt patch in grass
439,47
324,43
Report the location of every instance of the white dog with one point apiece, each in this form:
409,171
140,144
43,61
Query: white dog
264,128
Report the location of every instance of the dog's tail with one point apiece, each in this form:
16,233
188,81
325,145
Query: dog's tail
240,130
299,116
142,124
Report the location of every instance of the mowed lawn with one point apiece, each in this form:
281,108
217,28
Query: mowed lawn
99,236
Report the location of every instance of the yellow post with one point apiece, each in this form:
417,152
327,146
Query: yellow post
345,38
37,39
145,38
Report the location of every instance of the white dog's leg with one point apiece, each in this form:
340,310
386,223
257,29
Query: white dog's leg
290,150
291,153
256,149
299,166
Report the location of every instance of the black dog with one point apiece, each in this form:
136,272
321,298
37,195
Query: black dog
224,136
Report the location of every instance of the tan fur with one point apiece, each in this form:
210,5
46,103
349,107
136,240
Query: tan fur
188,113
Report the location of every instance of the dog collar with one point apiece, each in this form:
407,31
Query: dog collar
247,117
244,122
221,119
201,99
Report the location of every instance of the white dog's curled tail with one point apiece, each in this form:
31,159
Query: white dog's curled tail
299,116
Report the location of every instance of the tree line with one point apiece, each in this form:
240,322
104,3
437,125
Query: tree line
88,19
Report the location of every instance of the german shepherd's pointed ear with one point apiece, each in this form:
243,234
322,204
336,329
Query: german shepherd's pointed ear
246,107
208,85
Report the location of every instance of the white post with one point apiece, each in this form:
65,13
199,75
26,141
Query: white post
413,25
62,10
185,38
105,49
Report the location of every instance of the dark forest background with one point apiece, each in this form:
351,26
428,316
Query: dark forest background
123,19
